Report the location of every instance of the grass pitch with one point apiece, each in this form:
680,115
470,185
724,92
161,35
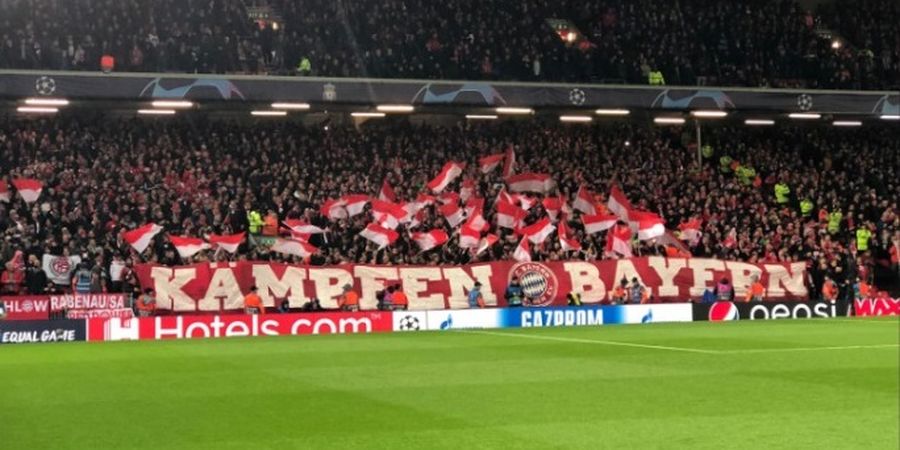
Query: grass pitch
775,384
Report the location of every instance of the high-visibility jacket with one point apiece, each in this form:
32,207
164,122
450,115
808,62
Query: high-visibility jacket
834,222
655,78
707,151
254,222
781,193
304,66
806,207
725,164
862,239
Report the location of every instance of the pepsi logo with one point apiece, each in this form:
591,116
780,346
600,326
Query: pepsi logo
722,311
538,282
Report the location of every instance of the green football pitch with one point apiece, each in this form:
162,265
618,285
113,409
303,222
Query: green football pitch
777,384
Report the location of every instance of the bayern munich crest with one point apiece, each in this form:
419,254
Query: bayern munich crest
538,282
60,265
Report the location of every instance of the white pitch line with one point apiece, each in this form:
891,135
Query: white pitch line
807,349
594,341
867,321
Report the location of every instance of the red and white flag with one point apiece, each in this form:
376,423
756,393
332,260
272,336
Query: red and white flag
690,230
618,204
227,242
388,214
553,205
449,173
538,231
139,238
467,189
469,237
525,202
334,209
379,235
387,193
584,201
423,200
476,222
294,247
509,166
4,191
188,246
486,243
453,213
509,215
448,197
598,223
651,228
619,241
355,204
523,251
29,188
566,242
489,163
431,239
504,197
302,227
474,204
530,182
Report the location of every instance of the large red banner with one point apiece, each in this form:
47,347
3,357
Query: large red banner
27,307
220,286
208,326
39,307
881,306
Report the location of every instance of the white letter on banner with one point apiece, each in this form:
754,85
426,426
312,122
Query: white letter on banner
703,273
415,282
780,278
460,284
585,278
370,280
625,269
330,285
742,276
667,269
270,286
223,289
168,284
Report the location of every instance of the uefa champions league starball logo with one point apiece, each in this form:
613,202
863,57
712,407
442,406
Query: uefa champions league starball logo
577,96
409,323
45,85
804,102
538,282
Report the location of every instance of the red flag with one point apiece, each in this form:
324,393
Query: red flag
538,232
227,242
139,238
552,205
489,163
618,204
475,204
387,193
334,209
388,214
523,251
509,166
469,237
449,173
302,249
467,189
453,213
584,201
690,230
650,228
524,201
4,191
509,215
619,241
379,235
566,242
431,239
448,197
486,243
302,227
355,203
503,197
30,189
598,223
530,182
188,246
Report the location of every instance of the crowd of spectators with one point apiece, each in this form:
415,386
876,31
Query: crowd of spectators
103,176
754,43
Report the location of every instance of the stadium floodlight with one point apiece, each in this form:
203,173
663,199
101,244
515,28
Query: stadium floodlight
395,108
286,105
836,44
172,104
612,112
514,110
847,123
805,116
481,116
367,114
758,122
668,120
708,114
268,113
890,117
46,101
156,112
37,110
577,119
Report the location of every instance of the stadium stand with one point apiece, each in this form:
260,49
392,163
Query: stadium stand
102,176
771,43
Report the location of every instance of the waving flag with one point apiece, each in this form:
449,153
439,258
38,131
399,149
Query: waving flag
538,231
388,214
188,246
475,204
618,240
523,251
509,166
302,227
423,200
524,201
566,242
387,193
302,249
690,230
598,223
139,238
469,237
430,239
30,189
4,191
530,182
355,204
503,197
650,229
489,163
509,215
486,243
476,222
584,201
227,242
467,189
553,205
636,216
618,204
334,209
449,173
453,213
448,197
379,235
